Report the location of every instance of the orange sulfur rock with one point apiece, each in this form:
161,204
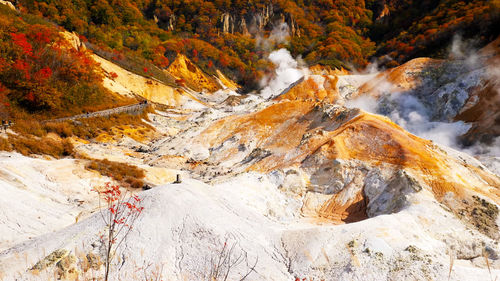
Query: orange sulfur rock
194,78
401,78
292,131
317,88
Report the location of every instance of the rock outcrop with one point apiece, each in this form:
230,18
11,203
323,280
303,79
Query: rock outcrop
9,4
126,83
265,19
191,76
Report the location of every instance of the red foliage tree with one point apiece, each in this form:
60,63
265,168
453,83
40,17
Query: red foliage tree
21,41
120,213
23,67
43,74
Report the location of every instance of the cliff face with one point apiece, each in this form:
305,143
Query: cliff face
257,23
313,87
192,83
263,19
9,4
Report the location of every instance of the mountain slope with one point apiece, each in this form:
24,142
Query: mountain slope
323,174
226,34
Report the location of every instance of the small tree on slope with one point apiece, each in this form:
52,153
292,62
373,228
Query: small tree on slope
120,214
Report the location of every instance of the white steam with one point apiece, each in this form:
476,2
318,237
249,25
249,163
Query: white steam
461,50
416,118
279,35
367,103
287,72
411,114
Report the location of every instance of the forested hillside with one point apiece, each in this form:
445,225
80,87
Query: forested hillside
228,34
409,29
41,73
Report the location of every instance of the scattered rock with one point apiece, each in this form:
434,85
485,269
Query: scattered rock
51,259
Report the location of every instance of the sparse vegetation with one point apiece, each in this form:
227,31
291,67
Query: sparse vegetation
127,174
63,129
481,214
28,127
452,262
226,260
92,127
5,145
412,249
57,148
32,136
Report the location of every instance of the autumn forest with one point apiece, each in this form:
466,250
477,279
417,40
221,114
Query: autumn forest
231,35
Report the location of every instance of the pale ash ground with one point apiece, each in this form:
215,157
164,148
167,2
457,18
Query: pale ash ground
231,191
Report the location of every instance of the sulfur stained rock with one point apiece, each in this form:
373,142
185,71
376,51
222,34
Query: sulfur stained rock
51,259
68,268
194,77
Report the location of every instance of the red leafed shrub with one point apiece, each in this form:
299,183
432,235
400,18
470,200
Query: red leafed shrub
40,36
180,82
30,96
43,74
159,57
23,67
113,75
3,64
121,211
20,40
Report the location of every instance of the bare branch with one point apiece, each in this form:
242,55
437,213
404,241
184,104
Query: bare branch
226,260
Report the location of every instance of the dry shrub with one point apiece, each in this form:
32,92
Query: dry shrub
87,128
63,129
93,127
5,145
134,182
126,174
29,127
41,146
32,137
